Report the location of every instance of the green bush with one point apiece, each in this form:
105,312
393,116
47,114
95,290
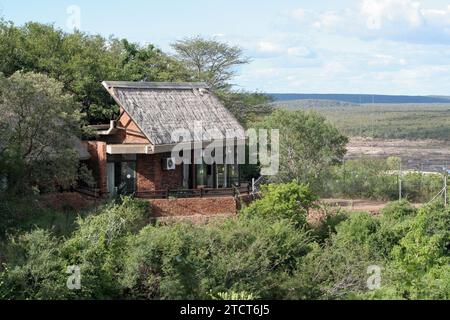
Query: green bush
36,262
184,261
99,244
35,269
253,256
372,178
283,201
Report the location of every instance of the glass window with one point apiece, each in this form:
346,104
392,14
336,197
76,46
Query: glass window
201,174
233,175
221,176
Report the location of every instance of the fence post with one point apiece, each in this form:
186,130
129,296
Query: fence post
445,188
400,181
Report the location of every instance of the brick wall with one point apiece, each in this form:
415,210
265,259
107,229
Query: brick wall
150,175
98,163
193,207
133,135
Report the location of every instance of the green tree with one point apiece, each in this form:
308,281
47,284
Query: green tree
309,146
39,122
247,107
210,61
81,62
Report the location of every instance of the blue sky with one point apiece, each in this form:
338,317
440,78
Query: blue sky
328,46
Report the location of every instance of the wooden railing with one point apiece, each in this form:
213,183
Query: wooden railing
193,193
92,192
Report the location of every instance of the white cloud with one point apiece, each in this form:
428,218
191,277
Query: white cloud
266,46
379,13
399,20
383,46
386,60
328,20
302,51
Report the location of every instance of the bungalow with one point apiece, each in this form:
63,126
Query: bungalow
134,154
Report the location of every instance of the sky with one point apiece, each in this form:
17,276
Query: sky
327,46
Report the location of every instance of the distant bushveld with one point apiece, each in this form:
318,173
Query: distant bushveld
360,98
385,121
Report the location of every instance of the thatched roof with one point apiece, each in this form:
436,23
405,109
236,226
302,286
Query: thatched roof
162,108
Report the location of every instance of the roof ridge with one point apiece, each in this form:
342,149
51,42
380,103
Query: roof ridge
154,85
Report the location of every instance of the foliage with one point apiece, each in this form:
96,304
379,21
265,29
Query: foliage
326,226
38,126
184,261
309,145
97,247
253,256
373,178
286,201
81,62
231,296
36,269
26,213
247,107
209,61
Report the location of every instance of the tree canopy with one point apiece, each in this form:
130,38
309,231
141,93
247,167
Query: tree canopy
38,126
210,61
309,145
81,62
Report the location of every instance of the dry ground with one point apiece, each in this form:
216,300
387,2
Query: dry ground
423,155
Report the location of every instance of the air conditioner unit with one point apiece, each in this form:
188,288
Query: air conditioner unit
168,164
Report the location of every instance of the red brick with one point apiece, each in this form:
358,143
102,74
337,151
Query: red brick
151,176
98,163
193,207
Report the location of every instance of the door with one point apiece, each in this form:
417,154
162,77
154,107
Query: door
128,178
123,177
111,179
186,176
221,176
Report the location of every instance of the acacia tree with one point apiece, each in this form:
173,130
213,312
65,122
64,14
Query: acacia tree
210,61
38,126
309,146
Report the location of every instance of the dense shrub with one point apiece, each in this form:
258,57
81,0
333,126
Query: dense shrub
36,262
99,245
184,261
35,269
254,256
289,200
419,267
378,179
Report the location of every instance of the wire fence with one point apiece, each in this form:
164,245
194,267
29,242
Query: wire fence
370,179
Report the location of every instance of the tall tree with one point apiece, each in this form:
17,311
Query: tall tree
38,127
309,145
210,61
81,62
